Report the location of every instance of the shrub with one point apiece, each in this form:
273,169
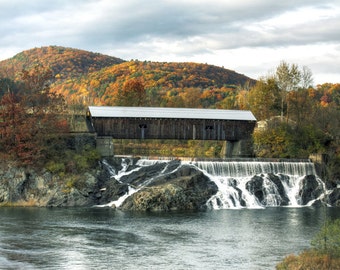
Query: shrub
324,255
55,167
327,241
308,260
74,181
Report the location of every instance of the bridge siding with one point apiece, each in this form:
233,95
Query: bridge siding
182,129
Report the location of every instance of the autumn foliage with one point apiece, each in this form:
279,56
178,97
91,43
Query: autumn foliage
165,85
299,118
30,118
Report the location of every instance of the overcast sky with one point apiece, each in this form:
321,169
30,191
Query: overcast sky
248,36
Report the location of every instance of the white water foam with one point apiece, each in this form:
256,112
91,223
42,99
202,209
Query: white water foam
231,178
121,199
246,168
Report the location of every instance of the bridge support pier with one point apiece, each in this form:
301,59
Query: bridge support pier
241,148
227,149
104,145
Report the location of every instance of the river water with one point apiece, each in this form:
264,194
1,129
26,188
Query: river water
102,238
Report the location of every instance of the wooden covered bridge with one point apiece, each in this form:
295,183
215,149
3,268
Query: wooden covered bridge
232,126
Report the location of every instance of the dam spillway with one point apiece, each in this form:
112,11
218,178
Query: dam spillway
247,184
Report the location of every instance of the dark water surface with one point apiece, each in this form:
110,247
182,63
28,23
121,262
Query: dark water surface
101,238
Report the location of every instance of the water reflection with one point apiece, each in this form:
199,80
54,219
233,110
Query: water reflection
88,238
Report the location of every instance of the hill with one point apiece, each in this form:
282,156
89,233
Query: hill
157,77
64,62
97,79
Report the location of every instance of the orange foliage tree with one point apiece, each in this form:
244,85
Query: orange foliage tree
132,93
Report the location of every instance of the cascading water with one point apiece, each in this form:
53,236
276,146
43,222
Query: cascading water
254,184
116,176
250,168
241,184
125,164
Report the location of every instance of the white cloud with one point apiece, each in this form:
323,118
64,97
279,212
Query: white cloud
249,36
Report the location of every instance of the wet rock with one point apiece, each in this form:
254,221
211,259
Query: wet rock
273,194
70,198
138,178
233,183
188,191
167,186
310,189
334,197
277,180
111,191
255,186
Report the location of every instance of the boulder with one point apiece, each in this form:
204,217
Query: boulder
111,191
70,198
233,183
255,187
184,189
310,189
268,195
277,180
334,197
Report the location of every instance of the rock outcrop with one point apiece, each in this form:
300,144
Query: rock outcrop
167,187
26,187
257,187
160,186
310,189
184,189
334,197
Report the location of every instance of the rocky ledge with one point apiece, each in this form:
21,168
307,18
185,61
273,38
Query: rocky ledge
158,187
174,188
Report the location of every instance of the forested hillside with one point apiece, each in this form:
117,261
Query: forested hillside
64,62
90,78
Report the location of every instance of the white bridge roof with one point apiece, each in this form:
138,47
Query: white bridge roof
162,112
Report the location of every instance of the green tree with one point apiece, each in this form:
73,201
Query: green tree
153,96
288,78
327,241
263,98
324,254
275,141
7,85
302,106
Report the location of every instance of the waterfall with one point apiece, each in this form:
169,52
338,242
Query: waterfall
149,162
116,177
250,168
241,184
110,169
253,184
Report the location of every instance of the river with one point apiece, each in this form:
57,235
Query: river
102,238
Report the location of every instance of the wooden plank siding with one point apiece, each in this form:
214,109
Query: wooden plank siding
174,128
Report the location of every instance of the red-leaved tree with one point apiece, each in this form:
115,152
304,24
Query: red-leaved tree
31,118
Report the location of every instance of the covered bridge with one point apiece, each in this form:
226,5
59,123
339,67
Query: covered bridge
170,123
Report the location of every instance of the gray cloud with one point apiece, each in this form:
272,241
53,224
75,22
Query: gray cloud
167,28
